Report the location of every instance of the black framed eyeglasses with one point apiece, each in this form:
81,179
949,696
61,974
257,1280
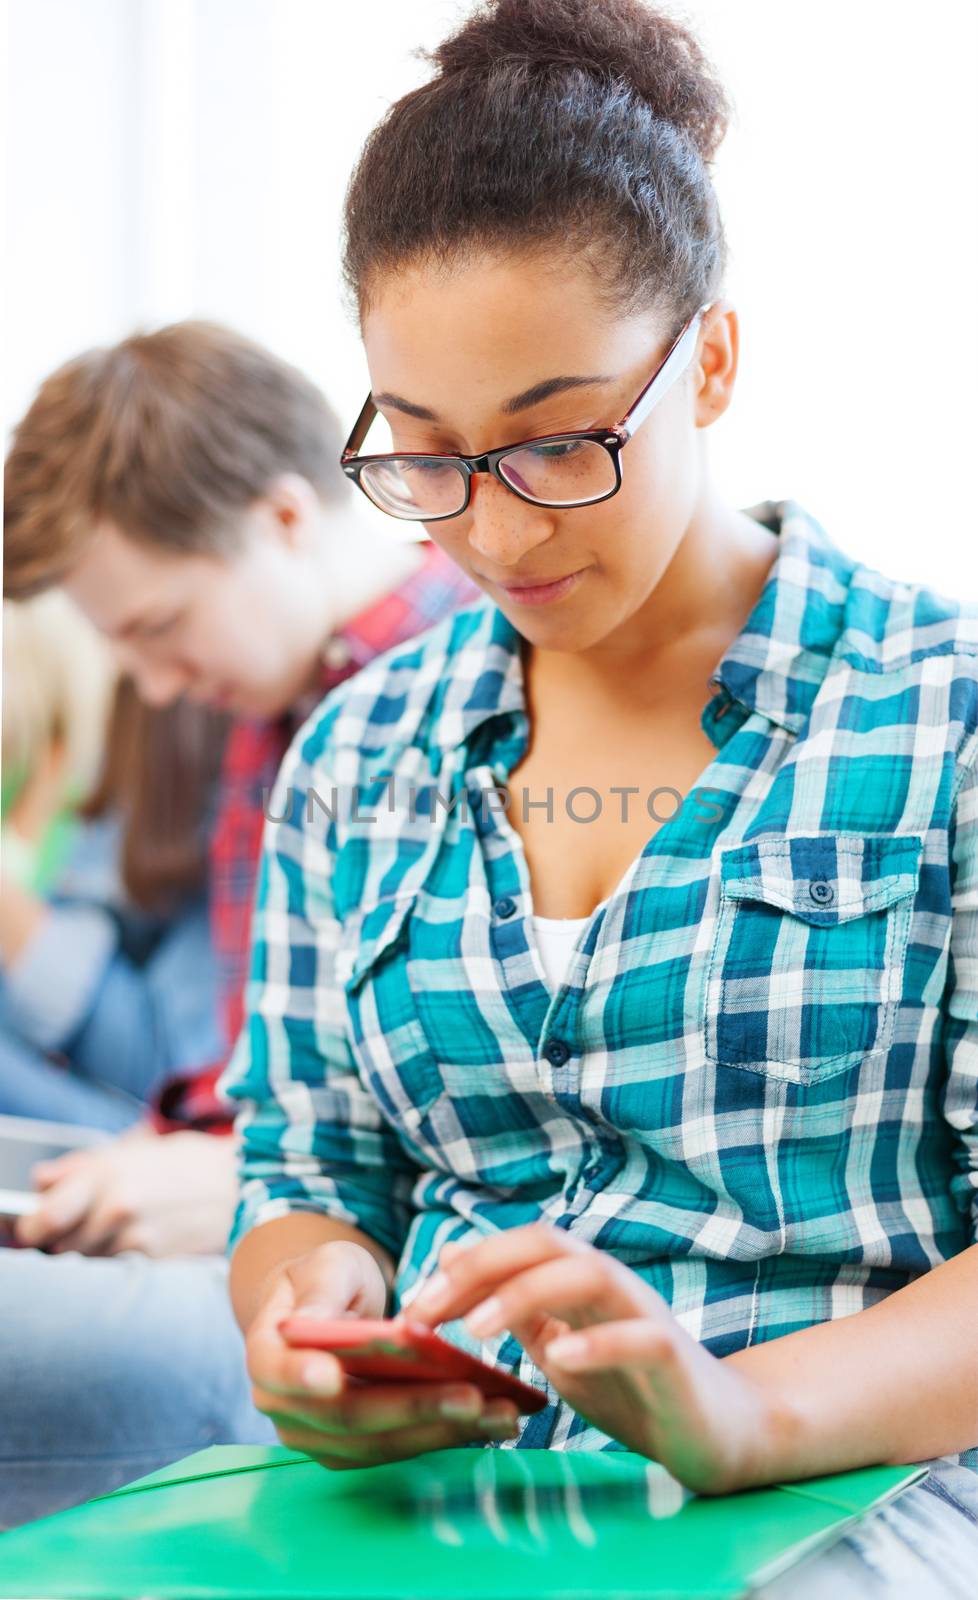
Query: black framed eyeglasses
558,470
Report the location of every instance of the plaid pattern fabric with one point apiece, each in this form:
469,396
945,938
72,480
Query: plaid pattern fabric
251,761
761,1011
757,1083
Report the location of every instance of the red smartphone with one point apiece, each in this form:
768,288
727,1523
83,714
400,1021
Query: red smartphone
385,1348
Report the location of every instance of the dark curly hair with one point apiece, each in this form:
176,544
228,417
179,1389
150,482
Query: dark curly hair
592,122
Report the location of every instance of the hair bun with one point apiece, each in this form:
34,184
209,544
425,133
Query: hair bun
624,40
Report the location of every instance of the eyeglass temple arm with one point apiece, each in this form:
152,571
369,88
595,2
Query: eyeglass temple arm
672,367
360,429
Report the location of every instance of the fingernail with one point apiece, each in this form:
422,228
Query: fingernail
487,1317
322,1375
434,1294
569,1347
461,1405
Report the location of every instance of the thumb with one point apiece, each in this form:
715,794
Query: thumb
46,1173
61,1210
325,1284
339,1279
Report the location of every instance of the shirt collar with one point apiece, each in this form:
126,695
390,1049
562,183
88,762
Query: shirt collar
778,661
774,666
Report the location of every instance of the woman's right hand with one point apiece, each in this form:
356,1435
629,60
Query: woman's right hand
305,1392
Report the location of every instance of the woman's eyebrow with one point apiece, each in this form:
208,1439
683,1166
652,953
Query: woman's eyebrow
519,402
543,391
395,403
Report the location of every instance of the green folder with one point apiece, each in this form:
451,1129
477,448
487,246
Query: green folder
470,1524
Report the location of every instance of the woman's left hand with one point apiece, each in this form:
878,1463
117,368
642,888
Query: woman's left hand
612,1348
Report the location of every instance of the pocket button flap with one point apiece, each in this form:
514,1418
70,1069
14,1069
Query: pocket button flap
823,878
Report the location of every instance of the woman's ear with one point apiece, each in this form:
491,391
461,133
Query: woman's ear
716,364
292,508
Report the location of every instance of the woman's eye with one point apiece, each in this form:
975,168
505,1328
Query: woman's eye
426,468
558,452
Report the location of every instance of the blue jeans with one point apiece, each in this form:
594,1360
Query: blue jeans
141,1024
921,1546
31,1085
111,1367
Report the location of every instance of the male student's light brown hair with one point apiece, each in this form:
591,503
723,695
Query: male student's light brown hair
168,436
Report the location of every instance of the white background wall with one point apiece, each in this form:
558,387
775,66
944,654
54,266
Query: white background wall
169,158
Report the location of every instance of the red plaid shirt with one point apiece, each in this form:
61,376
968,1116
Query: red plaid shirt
252,758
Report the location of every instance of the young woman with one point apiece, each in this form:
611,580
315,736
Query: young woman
628,979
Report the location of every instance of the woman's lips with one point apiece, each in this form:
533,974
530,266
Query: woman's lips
540,594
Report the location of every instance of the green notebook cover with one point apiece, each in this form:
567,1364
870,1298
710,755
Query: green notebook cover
489,1524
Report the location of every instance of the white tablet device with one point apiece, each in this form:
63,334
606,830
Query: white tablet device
23,1143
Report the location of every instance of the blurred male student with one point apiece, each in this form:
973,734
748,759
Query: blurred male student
183,488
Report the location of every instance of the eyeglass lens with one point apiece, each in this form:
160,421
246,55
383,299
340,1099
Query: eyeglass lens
415,488
569,472
564,472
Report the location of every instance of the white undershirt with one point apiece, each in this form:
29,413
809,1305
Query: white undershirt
556,937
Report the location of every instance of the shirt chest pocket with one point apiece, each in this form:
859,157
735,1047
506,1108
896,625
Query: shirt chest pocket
388,1041
806,968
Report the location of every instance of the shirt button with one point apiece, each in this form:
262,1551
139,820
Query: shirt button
505,906
821,892
557,1051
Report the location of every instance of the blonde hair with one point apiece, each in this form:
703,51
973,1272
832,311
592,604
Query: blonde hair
58,677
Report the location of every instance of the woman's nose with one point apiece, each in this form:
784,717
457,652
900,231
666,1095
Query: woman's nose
502,528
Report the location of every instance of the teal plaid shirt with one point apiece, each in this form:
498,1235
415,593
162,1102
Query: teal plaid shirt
757,1084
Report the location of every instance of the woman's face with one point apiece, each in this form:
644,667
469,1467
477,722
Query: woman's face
504,349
